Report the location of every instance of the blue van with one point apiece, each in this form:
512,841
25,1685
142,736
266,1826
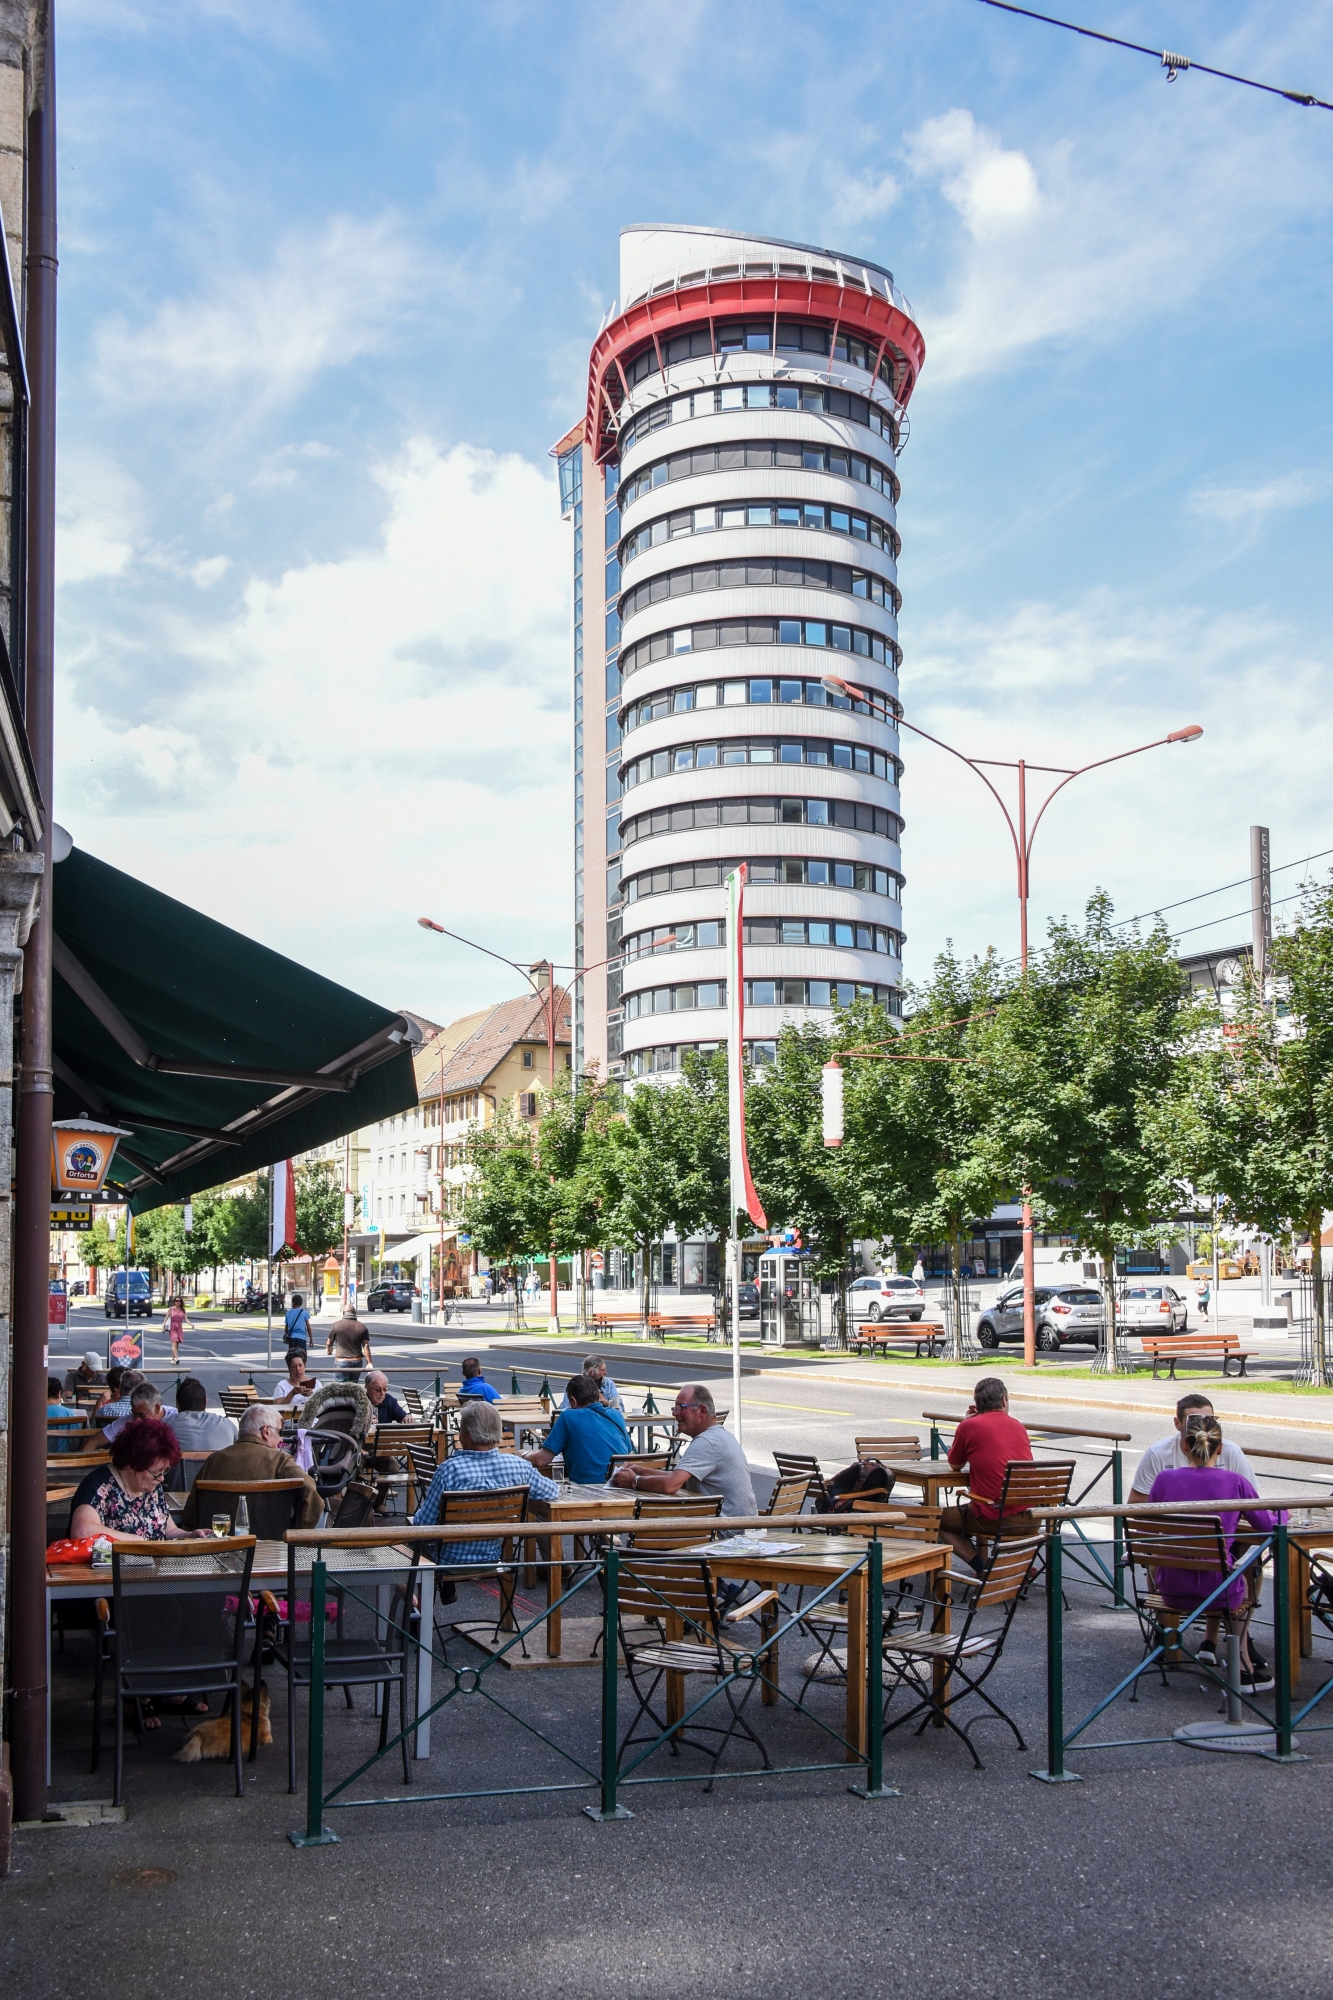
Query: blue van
141,1295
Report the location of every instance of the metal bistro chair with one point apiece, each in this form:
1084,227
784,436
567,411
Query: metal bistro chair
827,1622
899,1448
172,1606
422,1465
968,1656
413,1404
499,1505
1176,1541
1028,1483
675,1521
274,1505
800,1465
659,1592
237,1399
382,1661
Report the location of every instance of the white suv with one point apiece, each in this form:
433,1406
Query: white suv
886,1297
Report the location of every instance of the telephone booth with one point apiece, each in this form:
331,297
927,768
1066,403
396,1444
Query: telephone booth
789,1313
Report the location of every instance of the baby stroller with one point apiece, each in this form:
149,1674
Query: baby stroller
335,1422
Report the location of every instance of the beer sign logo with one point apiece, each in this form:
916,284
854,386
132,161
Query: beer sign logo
81,1153
83,1165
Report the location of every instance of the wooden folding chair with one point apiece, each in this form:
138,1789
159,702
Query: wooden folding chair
677,1521
498,1504
661,1594
800,1465
1176,1541
944,1669
789,1495
899,1447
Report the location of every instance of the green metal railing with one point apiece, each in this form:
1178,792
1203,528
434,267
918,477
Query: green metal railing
1275,1543
601,1572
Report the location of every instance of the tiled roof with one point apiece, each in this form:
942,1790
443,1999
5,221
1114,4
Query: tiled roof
475,1046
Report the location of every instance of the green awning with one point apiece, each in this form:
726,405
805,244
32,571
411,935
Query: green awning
220,1055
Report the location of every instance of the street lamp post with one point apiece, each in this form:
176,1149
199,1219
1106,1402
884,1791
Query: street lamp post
550,969
1022,837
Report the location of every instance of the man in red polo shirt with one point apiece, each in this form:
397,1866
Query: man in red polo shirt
984,1442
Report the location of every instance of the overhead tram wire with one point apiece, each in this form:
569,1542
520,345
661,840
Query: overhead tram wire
1172,64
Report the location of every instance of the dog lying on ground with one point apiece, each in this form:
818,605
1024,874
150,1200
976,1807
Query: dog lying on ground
213,1738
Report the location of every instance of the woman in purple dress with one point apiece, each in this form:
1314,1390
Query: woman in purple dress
1205,1482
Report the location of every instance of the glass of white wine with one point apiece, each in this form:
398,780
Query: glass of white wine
221,1526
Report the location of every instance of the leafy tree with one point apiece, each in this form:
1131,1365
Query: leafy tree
1084,1048
1251,1116
319,1213
830,1194
238,1225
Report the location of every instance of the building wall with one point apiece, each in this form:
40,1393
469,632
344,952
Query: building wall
739,463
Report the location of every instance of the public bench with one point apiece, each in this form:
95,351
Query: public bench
884,1336
694,1324
612,1323
1194,1347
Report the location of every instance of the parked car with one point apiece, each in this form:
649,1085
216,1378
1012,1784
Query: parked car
886,1297
1155,1309
748,1295
391,1296
141,1295
1063,1314
1202,1267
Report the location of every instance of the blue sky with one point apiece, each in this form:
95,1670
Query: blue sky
328,279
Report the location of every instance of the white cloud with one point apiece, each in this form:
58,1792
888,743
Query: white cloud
209,570
280,468
1080,241
359,740
992,189
99,518
1248,504
323,301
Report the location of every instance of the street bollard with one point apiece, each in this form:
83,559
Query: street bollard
608,1809
1055,1772
316,1833
514,1389
874,1786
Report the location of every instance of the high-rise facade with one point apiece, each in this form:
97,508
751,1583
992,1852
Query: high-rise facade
733,486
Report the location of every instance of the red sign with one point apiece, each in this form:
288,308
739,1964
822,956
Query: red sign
57,1307
126,1349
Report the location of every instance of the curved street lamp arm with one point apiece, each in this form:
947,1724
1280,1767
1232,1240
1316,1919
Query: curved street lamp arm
429,924
939,743
1176,736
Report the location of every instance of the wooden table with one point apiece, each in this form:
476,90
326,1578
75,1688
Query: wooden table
372,1566
576,1503
1302,1543
644,1422
933,1476
815,1565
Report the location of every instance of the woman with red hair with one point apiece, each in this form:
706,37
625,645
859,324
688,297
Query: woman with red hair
123,1500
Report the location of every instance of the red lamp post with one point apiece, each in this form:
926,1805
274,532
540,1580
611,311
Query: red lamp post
1022,837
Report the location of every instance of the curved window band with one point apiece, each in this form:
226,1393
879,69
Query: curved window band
761,455
758,993
727,399
761,632
761,691
735,750
847,813
788,870
825,933
810,516
761,573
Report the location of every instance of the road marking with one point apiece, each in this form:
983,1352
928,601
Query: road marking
804,1409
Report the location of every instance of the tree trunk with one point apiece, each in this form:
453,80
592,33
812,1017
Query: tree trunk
1320,1328
956,1345
647,1280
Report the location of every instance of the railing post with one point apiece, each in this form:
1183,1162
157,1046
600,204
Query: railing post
316,1833
874,1786
608,1809
935,1441
1055,1772
1282,1655
1118,1527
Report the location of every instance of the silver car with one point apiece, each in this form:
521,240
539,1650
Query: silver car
1155,1309
1063,1313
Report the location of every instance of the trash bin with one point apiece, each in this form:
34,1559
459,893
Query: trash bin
1282,1303
416,1311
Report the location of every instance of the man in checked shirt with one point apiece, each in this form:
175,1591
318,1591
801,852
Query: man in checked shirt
478,1464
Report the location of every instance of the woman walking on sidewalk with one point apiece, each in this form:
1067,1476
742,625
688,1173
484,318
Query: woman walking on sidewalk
174,1326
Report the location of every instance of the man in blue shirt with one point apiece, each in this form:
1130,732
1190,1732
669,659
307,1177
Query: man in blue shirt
478,1465
474,1383
296,1323
586,1435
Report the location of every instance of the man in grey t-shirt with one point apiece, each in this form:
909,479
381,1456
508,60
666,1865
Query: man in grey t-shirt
712,1462
1170,1452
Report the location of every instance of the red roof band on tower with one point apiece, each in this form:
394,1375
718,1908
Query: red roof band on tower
849,308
